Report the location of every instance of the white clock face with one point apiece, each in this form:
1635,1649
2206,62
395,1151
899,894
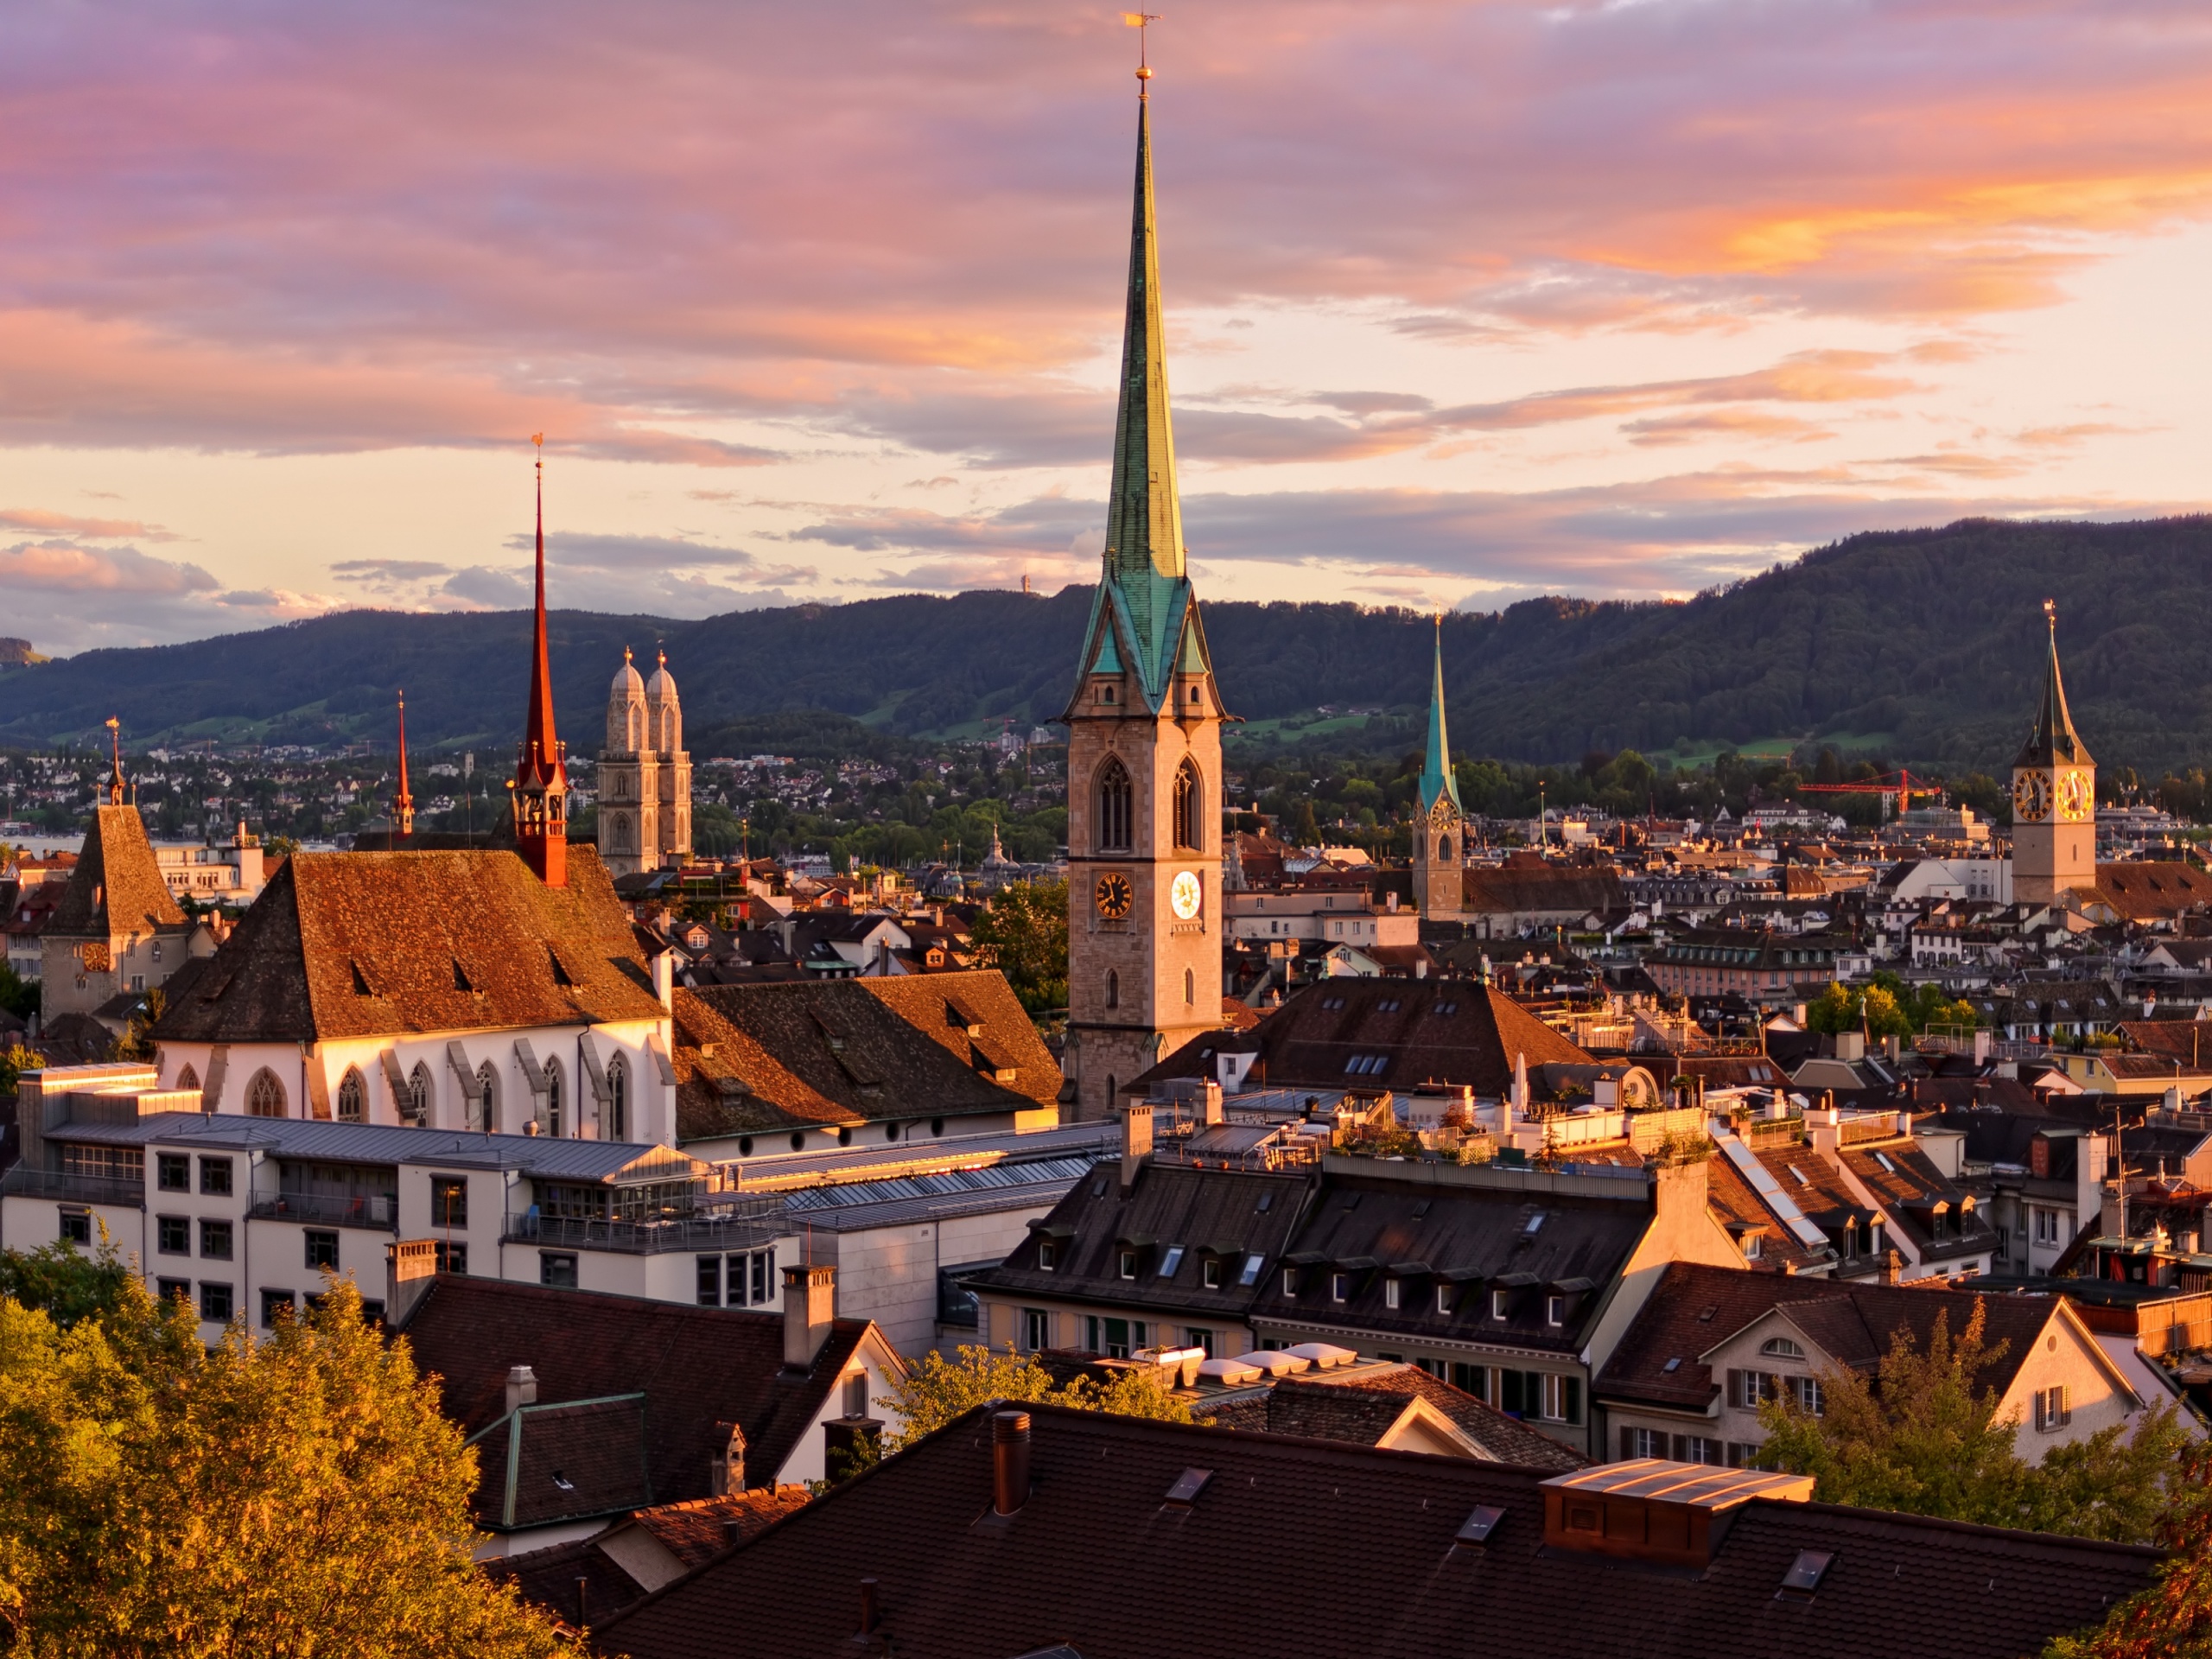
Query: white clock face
1184,895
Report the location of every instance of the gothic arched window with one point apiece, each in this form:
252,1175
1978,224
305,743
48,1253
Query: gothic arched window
1114,811
187,1078
1190,986
418,1095
1190,808
553,1098
1113,989
484,1098
352,1096
1443,849
618,832
264,1096
618,1101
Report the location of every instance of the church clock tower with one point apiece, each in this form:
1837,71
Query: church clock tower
1440,833
2054,796
1144,744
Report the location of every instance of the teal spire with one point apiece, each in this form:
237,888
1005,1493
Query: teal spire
1145,610
1436,780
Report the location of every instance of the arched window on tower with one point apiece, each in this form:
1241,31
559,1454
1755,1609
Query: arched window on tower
1115,808
418,1096
553,1098
1190,808
484,1099
1443,849
618,1101
264,1096
1113,989
1189,988
618,832
352,1096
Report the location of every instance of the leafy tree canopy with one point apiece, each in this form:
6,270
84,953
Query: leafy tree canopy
293,1497
1023,932
936,1390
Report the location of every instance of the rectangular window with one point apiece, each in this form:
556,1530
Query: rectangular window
1172,1261
1389,1292
215,1241
1444,1299
173,1235
556,1268
1562,1398
1199,1337
710,1278
1340,1285
448,1201
1045,1255
1472,1379
1809,1398
1643,1443
856,1394
322,1249
275,1305
214,1303
1751,1389
173,1171
1128,1264
2047,1227
1251,1273
1743,1454
215,1176
2054,1409
1696,1448
1209,1272
1036,1329
1512,1397
451,1258
167,1289
1501,1304
1554,1311
76,1226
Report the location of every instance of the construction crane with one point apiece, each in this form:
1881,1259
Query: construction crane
1892,787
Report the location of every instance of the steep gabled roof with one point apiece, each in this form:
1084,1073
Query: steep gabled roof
116,885
373,944
694,1367
796,1054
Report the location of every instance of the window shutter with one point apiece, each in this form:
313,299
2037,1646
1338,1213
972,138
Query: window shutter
1628,1444
2039,1415
1736,1390
2065,1405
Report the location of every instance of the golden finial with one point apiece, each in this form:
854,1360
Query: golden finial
538,438
1138,21
2050,613
625,656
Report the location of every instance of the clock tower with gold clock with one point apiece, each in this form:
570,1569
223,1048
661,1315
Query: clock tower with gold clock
2054,796
1144,745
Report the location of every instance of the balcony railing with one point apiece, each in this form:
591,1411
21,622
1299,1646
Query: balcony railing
21,1183
375,1210
735,1229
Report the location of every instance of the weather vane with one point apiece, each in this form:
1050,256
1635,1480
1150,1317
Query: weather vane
1138,21
538,438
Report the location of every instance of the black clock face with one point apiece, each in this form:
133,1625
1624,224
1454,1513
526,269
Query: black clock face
1113,896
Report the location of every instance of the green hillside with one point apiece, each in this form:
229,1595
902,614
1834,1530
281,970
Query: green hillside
1924,645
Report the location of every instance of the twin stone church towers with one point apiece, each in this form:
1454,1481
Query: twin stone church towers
644,774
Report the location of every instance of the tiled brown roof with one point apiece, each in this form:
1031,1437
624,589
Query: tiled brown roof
568,1462
1694,1308
1519,890
1312,1037
2152,891
697,1366
855,1051
116,886
694,1532
1359,1405
1731,1199
371,944
701,1529
1301,1547
1908,1182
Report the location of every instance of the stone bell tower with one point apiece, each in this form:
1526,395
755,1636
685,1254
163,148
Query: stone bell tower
2054,796
1440,833
1144,743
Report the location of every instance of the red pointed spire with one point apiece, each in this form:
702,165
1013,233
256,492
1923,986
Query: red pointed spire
403,800
541,784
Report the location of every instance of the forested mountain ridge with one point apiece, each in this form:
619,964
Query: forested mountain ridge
1924,644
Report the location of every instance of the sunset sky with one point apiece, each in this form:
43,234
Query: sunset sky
1466,301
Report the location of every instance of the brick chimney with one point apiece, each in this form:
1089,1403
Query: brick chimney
809,1304
1136,1141
522,1388
1009,1461
413,1263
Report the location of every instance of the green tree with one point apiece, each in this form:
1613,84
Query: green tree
1023,933
938,1390
138,1042
298,1496
18,995
2172,1619
15,1060
1923,1435
63,1283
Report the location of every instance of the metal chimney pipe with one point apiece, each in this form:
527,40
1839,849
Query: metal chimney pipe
1009,1461
868,1607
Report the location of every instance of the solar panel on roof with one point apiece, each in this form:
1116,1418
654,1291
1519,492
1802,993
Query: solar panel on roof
1770,1190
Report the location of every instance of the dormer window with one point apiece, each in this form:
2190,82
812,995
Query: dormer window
1390,1293
1444,1299
1340,1285
1105,691
1128,1264
1045,1255
1555,1311
1501,1304
1210,1273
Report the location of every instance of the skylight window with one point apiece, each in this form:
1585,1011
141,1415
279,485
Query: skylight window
1533,1223
1883,1158
1806,1572
1477,1527
1803,1180
1172,1261
1251,1273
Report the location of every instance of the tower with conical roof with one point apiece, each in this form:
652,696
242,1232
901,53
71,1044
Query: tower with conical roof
402,797
1144,741
541,781
1439,843
2054,795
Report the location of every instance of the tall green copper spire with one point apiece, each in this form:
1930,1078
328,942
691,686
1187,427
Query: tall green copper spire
1144,518
1436,780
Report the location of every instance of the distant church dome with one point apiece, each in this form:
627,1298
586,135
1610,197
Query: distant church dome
626,681
663,683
